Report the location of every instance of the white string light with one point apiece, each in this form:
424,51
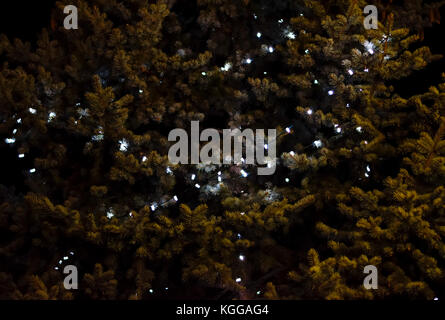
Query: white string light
226,67
123,145
110,213
318,143
290,34
51,116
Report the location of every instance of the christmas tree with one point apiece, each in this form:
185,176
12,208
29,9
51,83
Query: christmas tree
358,176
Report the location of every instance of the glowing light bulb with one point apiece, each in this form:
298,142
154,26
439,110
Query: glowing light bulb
51,116
290,35
318,143
110,214
123,145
